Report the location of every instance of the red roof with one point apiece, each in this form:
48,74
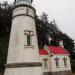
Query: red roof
57,50
43,52
54,50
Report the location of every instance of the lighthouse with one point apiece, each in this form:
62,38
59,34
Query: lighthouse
23,55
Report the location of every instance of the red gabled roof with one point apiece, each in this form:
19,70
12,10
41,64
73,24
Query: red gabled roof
43,52
54,50
57,50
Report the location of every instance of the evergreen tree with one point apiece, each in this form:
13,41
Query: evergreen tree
5,26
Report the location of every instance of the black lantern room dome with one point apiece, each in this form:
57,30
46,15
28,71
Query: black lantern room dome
28,2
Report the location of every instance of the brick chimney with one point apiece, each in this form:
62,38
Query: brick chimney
61,43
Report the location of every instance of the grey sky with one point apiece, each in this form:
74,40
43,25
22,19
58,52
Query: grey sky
63,11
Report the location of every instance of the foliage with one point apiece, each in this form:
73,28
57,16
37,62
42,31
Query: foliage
5,26
5,18
3,50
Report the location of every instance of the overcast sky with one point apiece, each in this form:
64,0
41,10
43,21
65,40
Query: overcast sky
63,11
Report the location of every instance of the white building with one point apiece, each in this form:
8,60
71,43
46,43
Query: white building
55,61
23,55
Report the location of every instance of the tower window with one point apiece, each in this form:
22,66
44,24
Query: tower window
28,40
28,37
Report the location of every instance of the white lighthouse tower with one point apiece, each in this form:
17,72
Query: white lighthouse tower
23,54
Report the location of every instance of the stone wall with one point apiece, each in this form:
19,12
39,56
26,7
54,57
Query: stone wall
58,73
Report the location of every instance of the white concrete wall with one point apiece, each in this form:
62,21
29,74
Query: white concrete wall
23,71
48,63
17,51
61,62
61,66
22,10
52,64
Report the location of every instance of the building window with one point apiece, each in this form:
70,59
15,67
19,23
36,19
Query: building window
28,40
28,34
65,61
57,62
45,63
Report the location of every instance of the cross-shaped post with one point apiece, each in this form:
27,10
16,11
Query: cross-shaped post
65,61
57,61
45,62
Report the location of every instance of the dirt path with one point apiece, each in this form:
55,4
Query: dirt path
73,74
